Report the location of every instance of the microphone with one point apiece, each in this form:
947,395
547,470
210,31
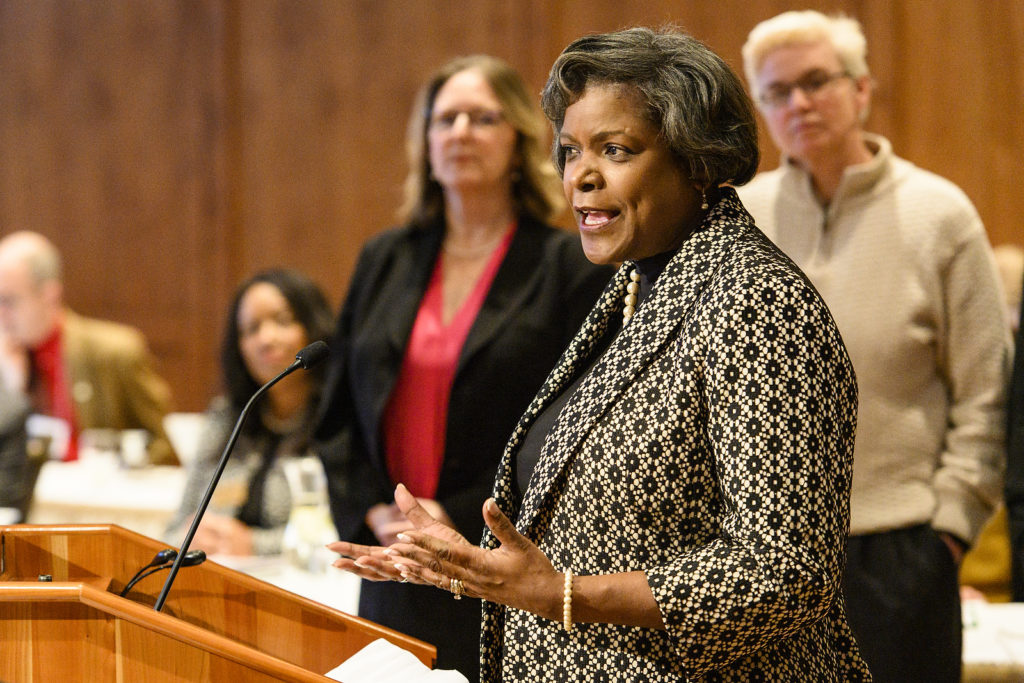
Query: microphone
305,359
311,355
192,558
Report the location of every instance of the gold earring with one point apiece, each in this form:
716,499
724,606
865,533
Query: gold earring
704,199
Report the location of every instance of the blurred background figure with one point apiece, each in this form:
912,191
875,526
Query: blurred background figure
18,468
274,315
985,571
63,374
903,262
1015,460
449,327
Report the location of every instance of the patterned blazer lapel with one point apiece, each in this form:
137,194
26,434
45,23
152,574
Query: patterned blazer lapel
642,340
579,351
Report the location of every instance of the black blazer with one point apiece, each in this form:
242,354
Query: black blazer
540,295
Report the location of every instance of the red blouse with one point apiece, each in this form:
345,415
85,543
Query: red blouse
416,418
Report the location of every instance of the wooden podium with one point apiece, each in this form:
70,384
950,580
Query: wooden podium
217,624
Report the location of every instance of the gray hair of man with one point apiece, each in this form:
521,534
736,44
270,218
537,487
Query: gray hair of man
808,26
692,96
39,254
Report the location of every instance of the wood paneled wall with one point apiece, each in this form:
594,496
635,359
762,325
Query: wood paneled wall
172,147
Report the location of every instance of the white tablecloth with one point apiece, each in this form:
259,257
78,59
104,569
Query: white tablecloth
97,490
993,642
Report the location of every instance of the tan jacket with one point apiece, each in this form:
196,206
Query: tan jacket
113,381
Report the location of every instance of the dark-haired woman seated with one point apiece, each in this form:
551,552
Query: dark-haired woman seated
274,314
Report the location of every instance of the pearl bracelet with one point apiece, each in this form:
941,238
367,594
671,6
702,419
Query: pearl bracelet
567,602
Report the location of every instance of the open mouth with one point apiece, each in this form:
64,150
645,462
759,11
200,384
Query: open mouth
595,218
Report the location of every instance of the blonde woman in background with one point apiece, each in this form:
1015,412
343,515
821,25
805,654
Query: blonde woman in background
450,325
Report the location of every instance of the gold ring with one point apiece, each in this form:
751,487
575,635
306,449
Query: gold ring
457,588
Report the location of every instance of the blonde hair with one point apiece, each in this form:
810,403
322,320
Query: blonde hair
536,188
808,26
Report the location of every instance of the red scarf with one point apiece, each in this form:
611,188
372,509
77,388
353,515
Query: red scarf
51,374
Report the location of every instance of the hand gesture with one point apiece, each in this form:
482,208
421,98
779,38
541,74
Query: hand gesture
516,574
386,522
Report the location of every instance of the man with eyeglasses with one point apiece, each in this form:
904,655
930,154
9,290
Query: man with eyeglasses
901,257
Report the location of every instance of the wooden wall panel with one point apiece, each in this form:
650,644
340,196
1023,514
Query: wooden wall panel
173,147
111,140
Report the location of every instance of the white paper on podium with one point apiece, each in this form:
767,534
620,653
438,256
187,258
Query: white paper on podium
382,662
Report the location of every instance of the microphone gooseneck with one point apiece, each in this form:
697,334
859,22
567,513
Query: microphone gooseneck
304,359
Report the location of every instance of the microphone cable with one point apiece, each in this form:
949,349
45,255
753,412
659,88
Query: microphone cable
306,358
165,555
191,559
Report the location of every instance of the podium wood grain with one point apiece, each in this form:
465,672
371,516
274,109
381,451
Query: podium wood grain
217,624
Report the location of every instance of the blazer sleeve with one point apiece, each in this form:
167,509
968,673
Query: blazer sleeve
17,471
148,396
780,396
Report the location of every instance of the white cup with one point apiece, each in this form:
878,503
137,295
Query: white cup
133,447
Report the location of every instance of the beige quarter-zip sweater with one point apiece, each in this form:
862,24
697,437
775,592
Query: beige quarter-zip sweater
903,262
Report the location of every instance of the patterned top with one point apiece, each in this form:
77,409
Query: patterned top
710,447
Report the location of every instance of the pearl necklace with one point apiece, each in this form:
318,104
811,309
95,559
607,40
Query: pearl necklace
632,289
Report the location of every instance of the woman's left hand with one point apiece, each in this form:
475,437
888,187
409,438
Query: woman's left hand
516,574
373,562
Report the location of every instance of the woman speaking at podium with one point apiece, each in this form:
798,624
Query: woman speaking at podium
674,503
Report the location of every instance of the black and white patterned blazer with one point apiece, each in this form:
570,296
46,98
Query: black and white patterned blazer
710,447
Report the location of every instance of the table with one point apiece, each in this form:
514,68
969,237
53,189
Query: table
993,642
96,489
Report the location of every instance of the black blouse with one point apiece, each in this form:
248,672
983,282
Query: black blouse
529,453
